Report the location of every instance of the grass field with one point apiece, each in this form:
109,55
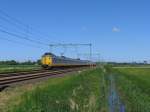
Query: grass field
81,92
15,68
133,85
98,90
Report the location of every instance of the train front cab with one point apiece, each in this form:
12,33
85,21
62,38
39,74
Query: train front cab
46,61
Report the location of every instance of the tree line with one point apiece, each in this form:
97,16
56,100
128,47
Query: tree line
13,62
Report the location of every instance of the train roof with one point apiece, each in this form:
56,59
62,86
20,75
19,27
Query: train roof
53,55
48,53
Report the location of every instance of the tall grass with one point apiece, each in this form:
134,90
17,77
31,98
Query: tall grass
134,87
83,92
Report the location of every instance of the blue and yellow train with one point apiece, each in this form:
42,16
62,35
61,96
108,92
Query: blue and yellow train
50,60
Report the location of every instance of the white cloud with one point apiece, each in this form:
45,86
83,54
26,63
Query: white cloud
115,29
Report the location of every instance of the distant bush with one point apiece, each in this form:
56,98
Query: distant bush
13,62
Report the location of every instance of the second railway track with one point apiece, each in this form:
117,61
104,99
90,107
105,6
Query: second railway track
8,79
21,73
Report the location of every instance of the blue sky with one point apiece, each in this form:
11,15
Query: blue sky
118,29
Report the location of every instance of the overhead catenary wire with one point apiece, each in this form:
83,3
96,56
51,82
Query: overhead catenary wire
20,28
22,37
20,43
19,24
12,23
20,33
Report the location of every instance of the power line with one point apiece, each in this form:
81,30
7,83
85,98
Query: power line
6,28
22,37
18,27
12,23
20,23
12,18
20,33
17,42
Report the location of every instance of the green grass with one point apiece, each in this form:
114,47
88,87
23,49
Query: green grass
134,87
87,91
81,92
16,68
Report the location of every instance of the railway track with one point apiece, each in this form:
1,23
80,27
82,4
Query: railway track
10,79
9,74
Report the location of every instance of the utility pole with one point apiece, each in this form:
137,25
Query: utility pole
90,51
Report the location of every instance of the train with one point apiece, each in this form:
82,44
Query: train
49,61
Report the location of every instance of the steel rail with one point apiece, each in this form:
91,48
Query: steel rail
20,73
30,74
14,79
25,72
